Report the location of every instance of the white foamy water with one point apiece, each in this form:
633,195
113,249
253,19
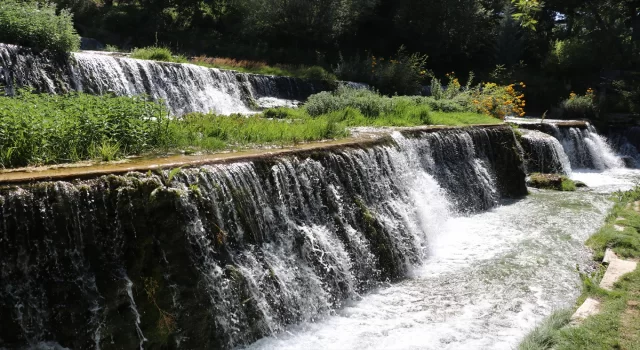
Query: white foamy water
488,280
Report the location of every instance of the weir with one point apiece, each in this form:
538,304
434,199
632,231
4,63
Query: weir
221,255
235,250
184,88
582,145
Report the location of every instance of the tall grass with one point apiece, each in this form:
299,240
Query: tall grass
543,337
211,132
36,24
40,129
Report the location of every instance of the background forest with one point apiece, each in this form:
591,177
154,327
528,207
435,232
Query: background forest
557,47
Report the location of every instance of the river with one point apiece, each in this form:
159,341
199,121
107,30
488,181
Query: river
488,280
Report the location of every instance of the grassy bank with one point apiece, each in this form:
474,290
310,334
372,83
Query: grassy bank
617,326
40,129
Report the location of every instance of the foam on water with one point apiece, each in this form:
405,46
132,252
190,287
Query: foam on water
489,279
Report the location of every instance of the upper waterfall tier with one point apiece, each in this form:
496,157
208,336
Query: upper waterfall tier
184,87
221,255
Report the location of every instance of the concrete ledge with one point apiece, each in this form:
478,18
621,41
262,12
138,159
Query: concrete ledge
89,170
542,124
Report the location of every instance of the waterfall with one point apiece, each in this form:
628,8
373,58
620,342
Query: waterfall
184,88
222,255
544,153
584,147
587,149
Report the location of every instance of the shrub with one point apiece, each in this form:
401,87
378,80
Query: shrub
35,24
111,48
402,74
578,107
499,101
315,73
369,103
157,54
491,99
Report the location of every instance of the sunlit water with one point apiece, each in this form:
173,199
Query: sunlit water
489,279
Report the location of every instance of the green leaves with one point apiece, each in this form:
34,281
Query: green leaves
36,24
527,11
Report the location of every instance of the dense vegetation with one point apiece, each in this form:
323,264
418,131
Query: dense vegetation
46,129
617,325
556,47
37,25
37,129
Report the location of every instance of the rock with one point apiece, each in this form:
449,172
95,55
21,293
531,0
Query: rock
551,182
580,184
609,256
618,228
590,307
617,268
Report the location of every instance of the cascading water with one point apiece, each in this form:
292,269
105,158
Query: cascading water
223,255
587,149
544,153
184,87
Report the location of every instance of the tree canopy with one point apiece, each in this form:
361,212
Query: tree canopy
567,43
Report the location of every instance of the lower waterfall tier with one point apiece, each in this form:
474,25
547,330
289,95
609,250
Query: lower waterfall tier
220,256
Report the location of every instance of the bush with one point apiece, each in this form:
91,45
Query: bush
578,107
315,73
35,24
402,74
40,129
156,53
491,99
369,103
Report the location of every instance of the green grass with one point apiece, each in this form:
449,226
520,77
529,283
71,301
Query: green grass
157,54
462,118
543,337
212,133
627,242
617,325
